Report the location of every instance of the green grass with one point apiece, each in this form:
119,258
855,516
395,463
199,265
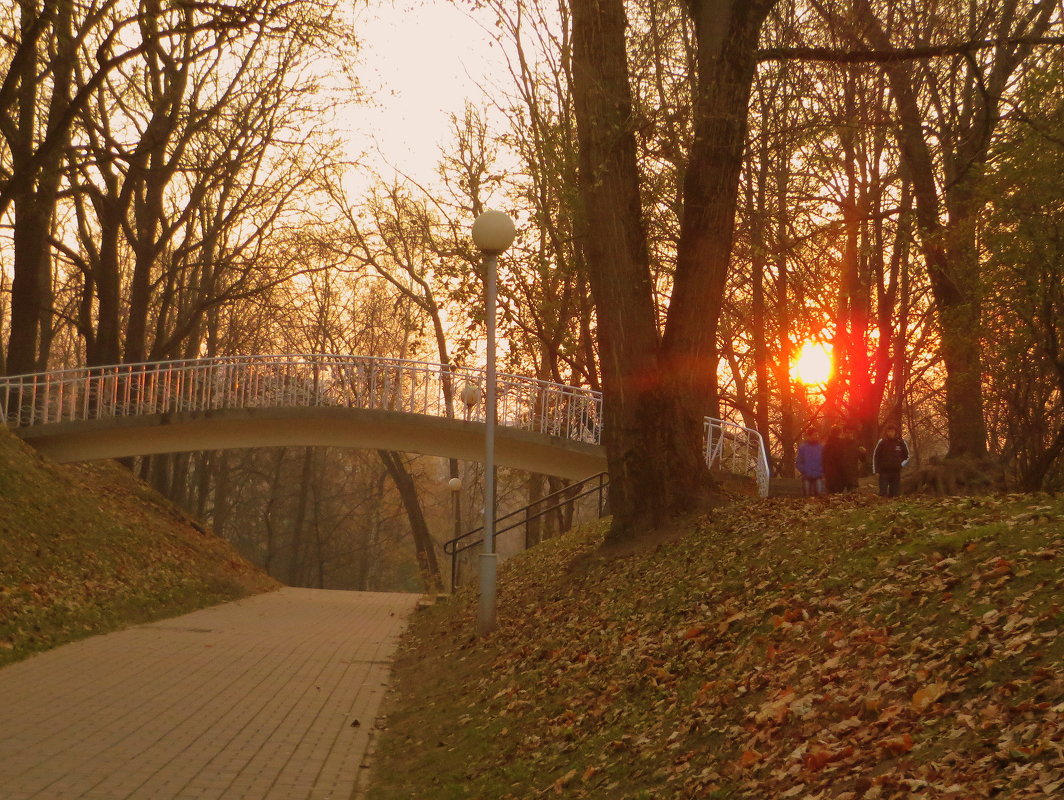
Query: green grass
89,549
853,647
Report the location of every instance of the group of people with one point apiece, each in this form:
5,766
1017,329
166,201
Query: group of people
833,466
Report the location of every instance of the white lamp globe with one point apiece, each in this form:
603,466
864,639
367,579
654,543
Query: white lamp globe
455,484
493,231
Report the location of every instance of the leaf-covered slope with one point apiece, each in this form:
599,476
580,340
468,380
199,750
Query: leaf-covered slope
88,548
843,649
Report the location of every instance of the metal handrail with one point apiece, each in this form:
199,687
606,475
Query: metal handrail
565,497
80,394
295,380
737,449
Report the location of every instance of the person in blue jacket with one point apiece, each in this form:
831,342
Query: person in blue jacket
888,458
810,464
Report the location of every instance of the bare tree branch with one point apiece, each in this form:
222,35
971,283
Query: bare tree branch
834,55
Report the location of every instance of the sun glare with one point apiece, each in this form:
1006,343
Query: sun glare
812,365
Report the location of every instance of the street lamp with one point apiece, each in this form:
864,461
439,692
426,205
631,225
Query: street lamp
493,232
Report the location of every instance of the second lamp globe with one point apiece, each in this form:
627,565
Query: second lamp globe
493,231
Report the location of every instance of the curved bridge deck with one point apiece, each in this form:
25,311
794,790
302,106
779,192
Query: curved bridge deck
348,401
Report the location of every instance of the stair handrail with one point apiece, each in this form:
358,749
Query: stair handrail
602,479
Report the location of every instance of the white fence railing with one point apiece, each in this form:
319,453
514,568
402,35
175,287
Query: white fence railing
295,381
738,450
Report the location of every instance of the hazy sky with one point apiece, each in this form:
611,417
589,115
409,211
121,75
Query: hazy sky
420,61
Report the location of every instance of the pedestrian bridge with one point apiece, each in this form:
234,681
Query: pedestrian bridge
143,409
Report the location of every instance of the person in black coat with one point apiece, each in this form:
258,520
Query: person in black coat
831,459
851,456
890,455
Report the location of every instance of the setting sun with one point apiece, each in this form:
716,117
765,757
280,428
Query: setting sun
812,366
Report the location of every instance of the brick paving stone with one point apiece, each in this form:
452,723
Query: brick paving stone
250,699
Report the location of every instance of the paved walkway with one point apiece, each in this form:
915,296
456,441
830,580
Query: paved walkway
270,698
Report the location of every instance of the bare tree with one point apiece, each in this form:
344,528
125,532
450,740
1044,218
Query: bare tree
946,163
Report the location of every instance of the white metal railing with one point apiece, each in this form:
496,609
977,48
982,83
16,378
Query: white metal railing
287,381
737,449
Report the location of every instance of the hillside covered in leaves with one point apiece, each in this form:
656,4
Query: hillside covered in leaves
850,648
86,549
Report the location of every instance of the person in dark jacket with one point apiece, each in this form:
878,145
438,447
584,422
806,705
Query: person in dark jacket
888,458
851,456
810,464
832,460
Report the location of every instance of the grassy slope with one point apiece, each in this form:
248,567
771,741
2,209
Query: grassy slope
87,549
844,649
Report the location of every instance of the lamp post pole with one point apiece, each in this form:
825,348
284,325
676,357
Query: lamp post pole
493,232
489,558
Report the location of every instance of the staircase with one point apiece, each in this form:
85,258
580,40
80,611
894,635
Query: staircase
596,486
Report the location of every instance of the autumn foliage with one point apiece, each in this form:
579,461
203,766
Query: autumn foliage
848,649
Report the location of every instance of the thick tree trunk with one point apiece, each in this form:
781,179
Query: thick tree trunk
31,271
35,191
726,34
619,270
657,391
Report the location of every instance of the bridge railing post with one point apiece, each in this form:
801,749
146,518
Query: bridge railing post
112,408
86,396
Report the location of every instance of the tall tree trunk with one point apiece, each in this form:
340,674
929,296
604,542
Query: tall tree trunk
31,267
35,192
635,427
424,546
657,391
726,36
299,521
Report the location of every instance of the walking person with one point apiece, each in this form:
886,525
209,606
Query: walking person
851,455
832,455
888,458
810,464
